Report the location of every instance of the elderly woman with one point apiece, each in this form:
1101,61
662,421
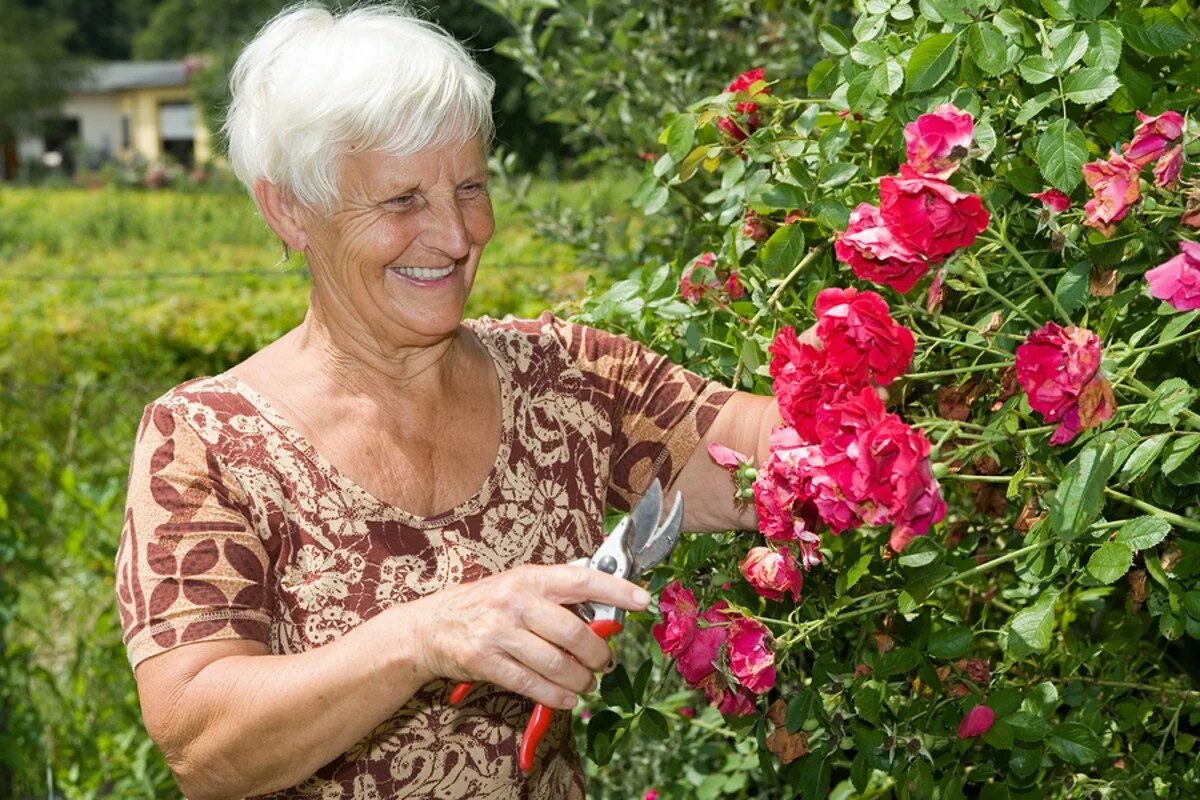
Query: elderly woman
321,540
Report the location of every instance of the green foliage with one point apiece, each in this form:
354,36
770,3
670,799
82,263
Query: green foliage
1072,572
35,71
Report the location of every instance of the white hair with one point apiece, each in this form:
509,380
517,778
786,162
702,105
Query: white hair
313,86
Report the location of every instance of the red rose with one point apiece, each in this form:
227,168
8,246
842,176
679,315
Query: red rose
929,215
1059,369
939,141
743,83
860,337
772,573
1054,200
802,379
875,254
698,660
1115,186
1152,138
678,608
1177,281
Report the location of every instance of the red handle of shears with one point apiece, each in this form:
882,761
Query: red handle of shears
539,720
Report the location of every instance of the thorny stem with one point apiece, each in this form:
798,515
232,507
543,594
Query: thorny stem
945,373
1150,508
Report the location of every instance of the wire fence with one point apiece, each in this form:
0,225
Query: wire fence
149,276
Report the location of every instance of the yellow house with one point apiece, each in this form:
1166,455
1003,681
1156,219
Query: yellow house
127,110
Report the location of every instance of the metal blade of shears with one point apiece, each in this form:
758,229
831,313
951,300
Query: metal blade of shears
644,516
662,541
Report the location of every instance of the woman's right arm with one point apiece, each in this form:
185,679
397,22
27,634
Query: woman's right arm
233,720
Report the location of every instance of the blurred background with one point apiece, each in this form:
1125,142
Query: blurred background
130,260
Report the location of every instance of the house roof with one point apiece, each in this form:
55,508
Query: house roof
111,76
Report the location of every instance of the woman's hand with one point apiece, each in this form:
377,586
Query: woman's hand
514,631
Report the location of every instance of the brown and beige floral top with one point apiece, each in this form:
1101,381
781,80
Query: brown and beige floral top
236,527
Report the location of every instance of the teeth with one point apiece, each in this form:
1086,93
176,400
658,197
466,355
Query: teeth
423,274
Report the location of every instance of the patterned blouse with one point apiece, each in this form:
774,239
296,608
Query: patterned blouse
237,528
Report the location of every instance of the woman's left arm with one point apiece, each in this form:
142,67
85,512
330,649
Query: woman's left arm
744,424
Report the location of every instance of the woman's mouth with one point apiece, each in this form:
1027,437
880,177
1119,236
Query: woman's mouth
424,275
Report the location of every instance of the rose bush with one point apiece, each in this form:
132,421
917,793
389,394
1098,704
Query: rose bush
964,244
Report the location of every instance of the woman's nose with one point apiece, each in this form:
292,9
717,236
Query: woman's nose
447,231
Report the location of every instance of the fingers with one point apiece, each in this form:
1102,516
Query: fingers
516,677
575,585
567,631
552,665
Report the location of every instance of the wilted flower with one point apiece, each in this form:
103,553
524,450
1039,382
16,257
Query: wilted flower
875,254
722,455
1191,211
698,278
929,215
1152,138
751,659
754,227
772,573
1166,171
1115,187
1177,281
978,721
1054,200
1059,369
938,141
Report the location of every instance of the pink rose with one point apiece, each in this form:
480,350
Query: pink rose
1166,171
937,142
1177,281
803,379
1115,186
751,659
733,287
860,337
698,660
1054,200
731,701
1059,369
875,254
978,721
754,227
772,573
1152,138
651,794
929,215
678,608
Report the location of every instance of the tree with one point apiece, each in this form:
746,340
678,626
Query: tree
35,70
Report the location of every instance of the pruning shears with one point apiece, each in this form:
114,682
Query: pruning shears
637,544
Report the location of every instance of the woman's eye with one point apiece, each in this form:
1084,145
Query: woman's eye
403,201
472,189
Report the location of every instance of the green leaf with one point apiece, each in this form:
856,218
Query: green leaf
1143,532
680,136
1037,69
783,196
1072,288
836,174
898,662
1088,85
1179,451
654,725
923,550
950,643
823,77
834,39
1143,457
616,689
784,249
1075,743
1110,561
1033,106
868,699
1024,761
1191,604
1155,31
931,61
1069,51
1089,9
798,709
856,572
658,199
1104,46
831,214
602,731
1058,10
988,48
1042,699
1031,629
1169,400
1080,494
1027,727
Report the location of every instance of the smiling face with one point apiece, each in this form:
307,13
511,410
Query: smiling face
396,259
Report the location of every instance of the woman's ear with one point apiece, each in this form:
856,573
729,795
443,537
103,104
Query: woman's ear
282,214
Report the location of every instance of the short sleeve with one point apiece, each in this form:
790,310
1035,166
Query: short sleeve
190,567
660,409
